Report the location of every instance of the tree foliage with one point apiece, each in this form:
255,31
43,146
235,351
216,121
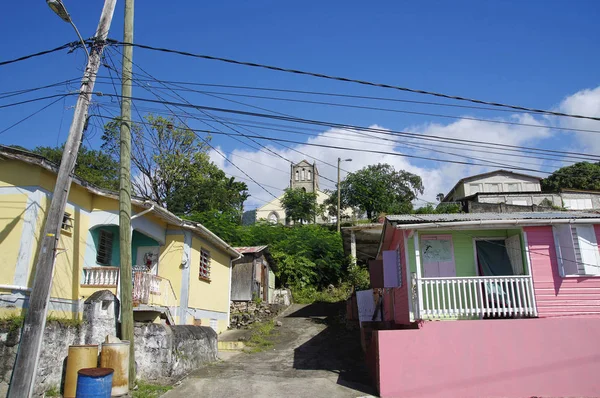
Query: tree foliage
95,167
442,208
174,170
306,255
300,206
379,189
582,175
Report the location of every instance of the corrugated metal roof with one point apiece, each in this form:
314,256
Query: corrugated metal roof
425,218
250,249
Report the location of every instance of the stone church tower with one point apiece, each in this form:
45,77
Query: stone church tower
305,175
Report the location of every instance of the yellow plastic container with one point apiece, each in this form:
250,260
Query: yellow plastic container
116,356
80,357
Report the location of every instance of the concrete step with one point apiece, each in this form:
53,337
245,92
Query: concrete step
231,345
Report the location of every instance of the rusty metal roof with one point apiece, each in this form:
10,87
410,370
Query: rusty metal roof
250,249
429,218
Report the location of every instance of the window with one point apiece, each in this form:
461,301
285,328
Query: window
474,188
273,218
204,265
105,246
578,204
577,249
308,175
437,256
519,202
512,187
67,223
494,187
297,175
303,174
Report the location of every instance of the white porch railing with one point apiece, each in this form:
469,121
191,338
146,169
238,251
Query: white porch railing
480,296
100,276
153,290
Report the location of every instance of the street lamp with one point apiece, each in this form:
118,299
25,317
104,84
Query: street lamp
59,9
339,194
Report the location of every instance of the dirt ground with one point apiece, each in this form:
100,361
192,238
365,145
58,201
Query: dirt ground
313,356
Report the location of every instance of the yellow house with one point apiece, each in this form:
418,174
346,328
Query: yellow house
182,271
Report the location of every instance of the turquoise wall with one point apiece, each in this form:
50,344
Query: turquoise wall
137,239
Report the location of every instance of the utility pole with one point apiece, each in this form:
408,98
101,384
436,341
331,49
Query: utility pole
339,197
125,193
339,212
25,368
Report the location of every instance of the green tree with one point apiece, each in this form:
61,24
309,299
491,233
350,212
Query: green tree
442,208
174,170
379,189
306,255
582,175
95,167
300,206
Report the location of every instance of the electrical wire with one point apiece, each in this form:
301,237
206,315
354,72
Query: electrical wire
71,45
37,99
31,115
349,80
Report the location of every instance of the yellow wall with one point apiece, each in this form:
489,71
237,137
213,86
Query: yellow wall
169,263
12,210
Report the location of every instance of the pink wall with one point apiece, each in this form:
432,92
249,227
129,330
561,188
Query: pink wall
401,304
557,296
489,358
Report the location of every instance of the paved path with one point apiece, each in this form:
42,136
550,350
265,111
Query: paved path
313,357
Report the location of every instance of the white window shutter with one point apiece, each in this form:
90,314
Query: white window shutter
589,249
563,239
515,254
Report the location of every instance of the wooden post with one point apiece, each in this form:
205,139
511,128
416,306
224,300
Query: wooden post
418,269
339,197
25,368
125,193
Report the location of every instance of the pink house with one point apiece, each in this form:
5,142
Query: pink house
485,305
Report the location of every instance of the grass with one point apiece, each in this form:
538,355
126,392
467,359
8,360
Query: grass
311,295
261,339
149,390
14,322
52,392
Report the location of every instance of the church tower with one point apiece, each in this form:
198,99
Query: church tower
305,175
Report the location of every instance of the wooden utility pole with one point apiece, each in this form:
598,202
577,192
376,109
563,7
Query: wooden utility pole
25,368
339,197
125,193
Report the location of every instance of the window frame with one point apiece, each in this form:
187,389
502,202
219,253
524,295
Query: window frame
204,269
67,223
104,233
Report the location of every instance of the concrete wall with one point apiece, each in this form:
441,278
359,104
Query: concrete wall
489,358
558,296
485,183
165,354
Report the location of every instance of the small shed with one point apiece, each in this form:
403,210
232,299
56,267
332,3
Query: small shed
253,275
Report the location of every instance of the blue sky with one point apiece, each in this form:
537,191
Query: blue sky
531,53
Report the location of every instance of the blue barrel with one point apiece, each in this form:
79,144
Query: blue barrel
94,383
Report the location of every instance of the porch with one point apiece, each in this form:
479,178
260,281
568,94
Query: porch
152,294
456,274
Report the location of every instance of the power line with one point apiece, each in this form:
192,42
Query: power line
504,122
362,82
332,125
470,144
31,115
38,99
8,94
71,45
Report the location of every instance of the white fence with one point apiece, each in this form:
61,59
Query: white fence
153,290
470,297
100,276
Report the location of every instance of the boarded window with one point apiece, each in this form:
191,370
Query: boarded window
519,202
512,187
204,265
494,187
577,249
578,204
67,223
105,246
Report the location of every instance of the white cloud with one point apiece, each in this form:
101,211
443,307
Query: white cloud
585,102
274,172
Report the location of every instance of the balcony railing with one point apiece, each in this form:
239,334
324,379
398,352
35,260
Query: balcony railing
472,297
153,290
100,276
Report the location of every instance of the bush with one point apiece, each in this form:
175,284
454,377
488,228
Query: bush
311,295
